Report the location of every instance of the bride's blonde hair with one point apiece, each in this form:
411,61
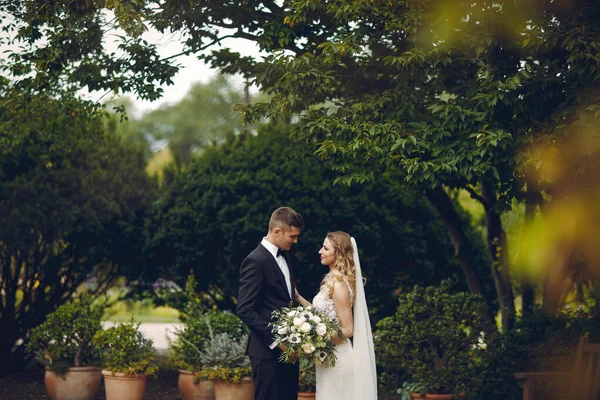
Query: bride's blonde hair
344,261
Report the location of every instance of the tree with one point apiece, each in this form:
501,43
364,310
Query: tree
218,210
453,94
450,93
73,202
203,117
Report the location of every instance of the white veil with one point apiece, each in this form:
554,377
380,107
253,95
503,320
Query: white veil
365,373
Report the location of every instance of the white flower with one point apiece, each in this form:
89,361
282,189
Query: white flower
308,348
307,315
294,338
309,308
283,330
321,329
316,319
305,327
322,356
292,313
298,321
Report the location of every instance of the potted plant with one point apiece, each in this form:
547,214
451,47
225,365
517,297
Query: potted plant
63,344
224,362
128,361
307,380
438,338
190,340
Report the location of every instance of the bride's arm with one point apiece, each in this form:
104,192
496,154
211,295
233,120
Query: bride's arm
303,302
343,309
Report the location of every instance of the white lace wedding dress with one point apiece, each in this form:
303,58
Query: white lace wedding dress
335,383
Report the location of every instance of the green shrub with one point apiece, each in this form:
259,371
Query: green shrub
538,342
437,338
126,350
224,358
191,339
307,381
64,340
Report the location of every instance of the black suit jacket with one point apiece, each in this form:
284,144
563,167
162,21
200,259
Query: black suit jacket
262,289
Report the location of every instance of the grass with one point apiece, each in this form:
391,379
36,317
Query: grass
141,312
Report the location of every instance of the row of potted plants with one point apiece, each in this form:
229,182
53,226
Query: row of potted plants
77,354
437,338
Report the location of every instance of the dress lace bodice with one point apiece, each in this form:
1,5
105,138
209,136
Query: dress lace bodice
322,302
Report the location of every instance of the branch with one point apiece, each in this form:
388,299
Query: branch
476,196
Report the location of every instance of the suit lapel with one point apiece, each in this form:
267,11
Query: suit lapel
275,267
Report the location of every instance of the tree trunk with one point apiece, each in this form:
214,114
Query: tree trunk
463,248
498,256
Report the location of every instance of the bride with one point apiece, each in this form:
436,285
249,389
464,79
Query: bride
342,297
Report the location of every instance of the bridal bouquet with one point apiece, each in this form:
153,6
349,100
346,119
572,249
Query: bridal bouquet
305,333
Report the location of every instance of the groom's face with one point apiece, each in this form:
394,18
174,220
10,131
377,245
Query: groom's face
286,237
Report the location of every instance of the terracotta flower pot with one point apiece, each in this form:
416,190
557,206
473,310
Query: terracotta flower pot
188,390
243,390
306,395
120,386
417,396
79,383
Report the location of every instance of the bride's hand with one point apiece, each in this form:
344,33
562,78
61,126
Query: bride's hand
297,295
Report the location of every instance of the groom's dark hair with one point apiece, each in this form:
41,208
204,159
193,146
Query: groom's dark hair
284,217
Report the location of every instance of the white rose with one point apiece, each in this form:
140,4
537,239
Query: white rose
305,327
321,329
298,321
316,319
292,313
308,348
283,330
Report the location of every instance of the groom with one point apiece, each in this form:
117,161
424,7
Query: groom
267,284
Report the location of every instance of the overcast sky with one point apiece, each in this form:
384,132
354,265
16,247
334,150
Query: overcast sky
191,70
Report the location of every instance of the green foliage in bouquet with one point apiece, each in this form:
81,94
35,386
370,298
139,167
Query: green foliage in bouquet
224,358
307,381
191,339
64,340
438,338
126,350
305,333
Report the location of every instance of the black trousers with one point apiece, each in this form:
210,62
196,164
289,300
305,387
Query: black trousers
274,380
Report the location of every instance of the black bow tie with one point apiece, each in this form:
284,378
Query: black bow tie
280,252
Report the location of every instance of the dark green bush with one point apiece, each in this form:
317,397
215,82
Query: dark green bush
218,210
539,342
436,337
64,340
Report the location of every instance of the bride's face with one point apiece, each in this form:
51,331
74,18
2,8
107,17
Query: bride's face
327,253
